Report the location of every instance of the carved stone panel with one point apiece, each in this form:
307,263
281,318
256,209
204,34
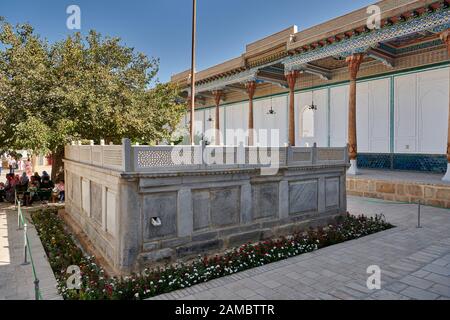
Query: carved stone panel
332,192
164,207
225,206
202,209
96,202
303,197
265,200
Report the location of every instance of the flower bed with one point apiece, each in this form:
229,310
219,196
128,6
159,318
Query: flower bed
63,252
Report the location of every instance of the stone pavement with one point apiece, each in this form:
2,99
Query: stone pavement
415,264
16,280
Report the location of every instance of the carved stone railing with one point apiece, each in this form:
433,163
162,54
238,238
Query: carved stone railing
129,158
105,156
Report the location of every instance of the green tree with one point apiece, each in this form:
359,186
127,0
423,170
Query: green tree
89,87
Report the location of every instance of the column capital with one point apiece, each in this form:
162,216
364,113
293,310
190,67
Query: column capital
218,94
291,78
445,37
354,62
251,88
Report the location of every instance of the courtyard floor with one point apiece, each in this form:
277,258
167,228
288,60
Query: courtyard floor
415,264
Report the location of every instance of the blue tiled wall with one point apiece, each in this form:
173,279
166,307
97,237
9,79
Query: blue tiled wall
410,162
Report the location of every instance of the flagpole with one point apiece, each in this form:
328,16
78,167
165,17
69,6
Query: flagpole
192,102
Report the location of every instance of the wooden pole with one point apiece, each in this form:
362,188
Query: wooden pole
217,97
251,88
192,97
291,78
354,62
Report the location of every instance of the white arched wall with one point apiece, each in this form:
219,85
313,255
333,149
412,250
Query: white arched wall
320,117
421,112
373,116
270,122
338,116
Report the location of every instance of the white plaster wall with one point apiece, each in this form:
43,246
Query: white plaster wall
272,125
339,116
320,118
432,108
421,112
373,116
236,123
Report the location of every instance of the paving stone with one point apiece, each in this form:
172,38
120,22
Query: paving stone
443,271
388,295
438,279
440,290
419,294
417,282
396,287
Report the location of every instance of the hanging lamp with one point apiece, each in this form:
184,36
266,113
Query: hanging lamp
312,106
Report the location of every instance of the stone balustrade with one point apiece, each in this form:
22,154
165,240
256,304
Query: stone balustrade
129,158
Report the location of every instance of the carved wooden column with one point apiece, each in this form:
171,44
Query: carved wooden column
217,97
291,78
251,88
445,36
354,62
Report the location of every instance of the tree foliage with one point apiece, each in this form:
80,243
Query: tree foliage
84,87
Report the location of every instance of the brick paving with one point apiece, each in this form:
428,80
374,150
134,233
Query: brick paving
415,264
16,280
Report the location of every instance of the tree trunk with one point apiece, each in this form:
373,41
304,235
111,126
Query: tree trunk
58,164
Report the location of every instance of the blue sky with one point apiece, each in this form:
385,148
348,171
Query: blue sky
162,28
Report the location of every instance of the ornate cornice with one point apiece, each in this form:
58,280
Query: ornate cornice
360,43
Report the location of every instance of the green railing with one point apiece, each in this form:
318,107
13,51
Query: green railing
22,225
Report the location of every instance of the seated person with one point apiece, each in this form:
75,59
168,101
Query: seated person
46,186
10,189
46,183
37,177
30,194
35,180
2,191
61,196
58,192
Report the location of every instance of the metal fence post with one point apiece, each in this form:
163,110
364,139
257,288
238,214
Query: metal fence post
36,289
18,218
25,244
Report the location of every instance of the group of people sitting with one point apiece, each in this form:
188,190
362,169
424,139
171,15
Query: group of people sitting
30,189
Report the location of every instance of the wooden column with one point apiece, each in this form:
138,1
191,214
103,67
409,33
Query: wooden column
354,62
217,97
291,78
251,88
445,36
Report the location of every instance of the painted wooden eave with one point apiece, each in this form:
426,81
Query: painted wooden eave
354,20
